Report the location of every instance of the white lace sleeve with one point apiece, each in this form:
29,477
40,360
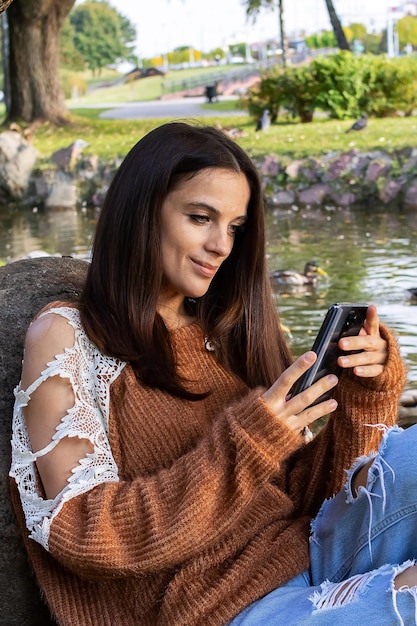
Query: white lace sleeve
90,374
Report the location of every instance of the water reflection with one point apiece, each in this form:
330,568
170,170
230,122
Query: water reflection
369,257
67,232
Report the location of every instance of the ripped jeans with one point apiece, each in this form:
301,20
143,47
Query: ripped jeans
357,546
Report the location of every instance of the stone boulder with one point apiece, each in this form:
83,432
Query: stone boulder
17,160
25,287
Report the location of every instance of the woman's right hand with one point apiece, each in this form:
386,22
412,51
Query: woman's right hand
296,411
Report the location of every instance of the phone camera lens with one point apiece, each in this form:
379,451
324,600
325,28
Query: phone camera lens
352,318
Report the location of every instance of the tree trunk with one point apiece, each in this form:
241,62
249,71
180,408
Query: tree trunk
337,27
35,86
282,32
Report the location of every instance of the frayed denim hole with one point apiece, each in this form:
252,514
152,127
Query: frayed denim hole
336,595
350,473
377,472
412,591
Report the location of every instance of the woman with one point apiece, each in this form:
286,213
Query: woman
157,452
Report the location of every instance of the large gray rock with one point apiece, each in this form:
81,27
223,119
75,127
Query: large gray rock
25,287
17,160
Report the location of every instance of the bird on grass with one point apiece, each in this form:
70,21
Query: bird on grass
264,122
66,158
360,124
291,277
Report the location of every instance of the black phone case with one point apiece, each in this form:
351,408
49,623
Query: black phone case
342,320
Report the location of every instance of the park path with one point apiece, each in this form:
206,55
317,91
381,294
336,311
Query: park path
177,108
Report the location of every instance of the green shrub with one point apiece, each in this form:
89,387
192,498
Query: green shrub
340,84
293,90
300,92
407,84
267,94
383,85
344,85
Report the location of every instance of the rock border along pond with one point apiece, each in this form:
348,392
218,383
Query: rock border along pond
337,179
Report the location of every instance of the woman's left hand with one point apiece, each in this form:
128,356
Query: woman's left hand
371,360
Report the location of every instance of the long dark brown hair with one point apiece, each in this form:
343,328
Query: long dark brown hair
125,277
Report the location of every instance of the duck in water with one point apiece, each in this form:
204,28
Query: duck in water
312,271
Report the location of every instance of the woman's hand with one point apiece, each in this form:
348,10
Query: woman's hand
296,411
371,360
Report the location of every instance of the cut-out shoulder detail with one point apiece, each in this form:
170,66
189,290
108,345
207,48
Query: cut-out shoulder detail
90,374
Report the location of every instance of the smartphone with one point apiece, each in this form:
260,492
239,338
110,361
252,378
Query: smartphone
342,320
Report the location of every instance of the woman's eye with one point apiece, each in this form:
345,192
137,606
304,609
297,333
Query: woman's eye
200,219
236,228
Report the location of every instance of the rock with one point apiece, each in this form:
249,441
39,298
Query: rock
17,160
292,170
341,165
390,191
314,194
25,287
269,166
410,197
343,199
407,413
410,166
282,198
375,170
63,194
34,254
359,164
363,174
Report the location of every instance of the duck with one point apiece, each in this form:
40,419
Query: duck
291,277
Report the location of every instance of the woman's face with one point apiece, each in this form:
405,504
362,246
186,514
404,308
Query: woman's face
199,221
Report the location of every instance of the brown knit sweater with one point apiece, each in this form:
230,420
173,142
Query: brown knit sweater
214,502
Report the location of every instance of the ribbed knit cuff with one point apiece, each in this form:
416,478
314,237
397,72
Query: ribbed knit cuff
261,433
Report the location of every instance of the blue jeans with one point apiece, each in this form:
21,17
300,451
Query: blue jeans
357,547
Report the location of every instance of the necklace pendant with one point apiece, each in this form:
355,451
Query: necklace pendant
208,345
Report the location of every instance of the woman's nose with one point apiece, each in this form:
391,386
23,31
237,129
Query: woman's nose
220,242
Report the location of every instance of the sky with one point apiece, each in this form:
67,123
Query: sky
163,25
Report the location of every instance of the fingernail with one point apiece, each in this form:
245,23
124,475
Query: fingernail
333,379
309,357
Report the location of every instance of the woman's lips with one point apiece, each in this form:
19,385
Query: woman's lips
205,268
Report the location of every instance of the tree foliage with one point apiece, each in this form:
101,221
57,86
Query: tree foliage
407,31
101,35
69,56
324,39
357,31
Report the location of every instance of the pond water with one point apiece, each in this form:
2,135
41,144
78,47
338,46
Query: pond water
369,256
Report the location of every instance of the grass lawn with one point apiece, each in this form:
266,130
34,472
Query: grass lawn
291,140
113,138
